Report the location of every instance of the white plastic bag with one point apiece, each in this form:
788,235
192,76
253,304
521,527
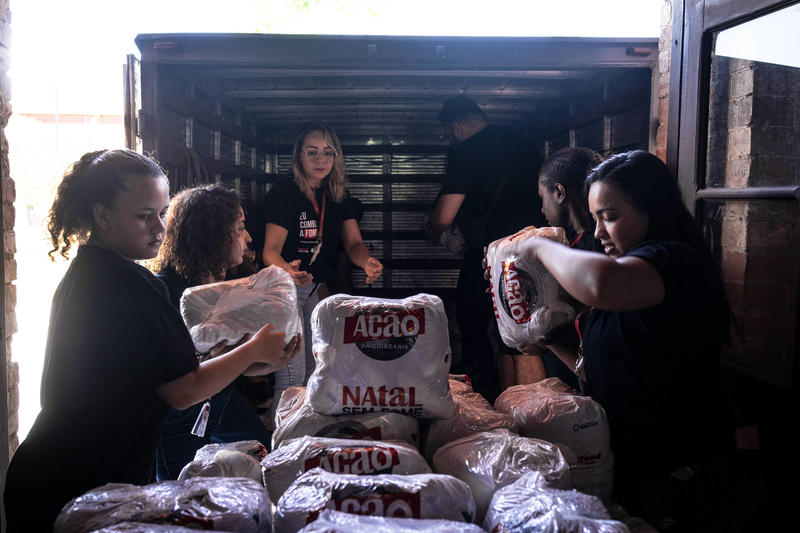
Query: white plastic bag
225,463
528,301
375,355
490,460
552,411
528,505
226,504
229,310
297,419
330,521
341,456
141,527
472,414
418,496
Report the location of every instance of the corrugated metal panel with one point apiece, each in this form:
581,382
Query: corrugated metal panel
417,249
416,279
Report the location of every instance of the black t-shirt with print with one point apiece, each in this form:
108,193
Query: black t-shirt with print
114,338
289,208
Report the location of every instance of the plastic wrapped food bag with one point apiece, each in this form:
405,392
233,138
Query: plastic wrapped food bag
225,463
226,504
460,383
330,521
494,459
140,527
228,310
342,456
528,505
297,419
473,414
375,355
552,411
528,301
417,496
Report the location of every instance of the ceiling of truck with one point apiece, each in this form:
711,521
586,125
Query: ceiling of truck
388,90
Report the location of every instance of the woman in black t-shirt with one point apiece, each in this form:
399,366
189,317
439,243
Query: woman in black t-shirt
307,215
652,339
118,353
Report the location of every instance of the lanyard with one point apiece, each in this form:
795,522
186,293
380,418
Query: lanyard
320,214
321,217
580,369
576,239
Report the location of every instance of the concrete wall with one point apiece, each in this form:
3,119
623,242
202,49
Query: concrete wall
9,242
664,57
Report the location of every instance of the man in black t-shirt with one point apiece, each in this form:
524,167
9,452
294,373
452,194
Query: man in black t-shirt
489,192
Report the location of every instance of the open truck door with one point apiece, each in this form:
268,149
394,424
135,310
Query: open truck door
133,121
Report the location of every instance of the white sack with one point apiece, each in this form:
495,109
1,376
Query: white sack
342,456
376,355
490,460
226,504
528,505
473,414
253,448
225,463
141,527
417,496
297,419
229,310
330,521
551,410
528,301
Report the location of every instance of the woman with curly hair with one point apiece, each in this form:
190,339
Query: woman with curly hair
204,238
307,215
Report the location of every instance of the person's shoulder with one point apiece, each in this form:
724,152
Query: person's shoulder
283,186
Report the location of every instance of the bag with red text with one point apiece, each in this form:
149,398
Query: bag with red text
416,496
228,310
330,521
530,505
528,301
473,414
341,456
493,459
553,411
225,504
301,420
375,355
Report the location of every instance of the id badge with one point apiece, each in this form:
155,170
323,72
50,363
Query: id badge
199,428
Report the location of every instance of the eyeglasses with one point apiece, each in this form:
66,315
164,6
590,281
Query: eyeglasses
325,155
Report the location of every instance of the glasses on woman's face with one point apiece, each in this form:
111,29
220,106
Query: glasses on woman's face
324,155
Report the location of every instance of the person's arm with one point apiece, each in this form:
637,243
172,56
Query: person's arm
274,239
211,376
625,284
358,252
445,211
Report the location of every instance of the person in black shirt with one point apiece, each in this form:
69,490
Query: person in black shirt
651,341
308,214
561,189
204,238
118,353
487,194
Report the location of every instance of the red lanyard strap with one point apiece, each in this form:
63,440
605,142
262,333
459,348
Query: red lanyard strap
320,214
579,363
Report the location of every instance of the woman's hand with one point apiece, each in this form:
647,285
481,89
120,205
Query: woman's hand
291,349
301,277
373,268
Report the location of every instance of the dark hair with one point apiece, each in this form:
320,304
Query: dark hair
647,183
199,232
460,108
569,167
337,178
97,177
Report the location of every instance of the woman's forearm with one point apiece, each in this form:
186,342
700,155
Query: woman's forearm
273,257
359,254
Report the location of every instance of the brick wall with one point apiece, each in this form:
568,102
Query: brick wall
754,126
664,57
9,242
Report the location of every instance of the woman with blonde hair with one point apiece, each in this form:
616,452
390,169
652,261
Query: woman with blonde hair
308,214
